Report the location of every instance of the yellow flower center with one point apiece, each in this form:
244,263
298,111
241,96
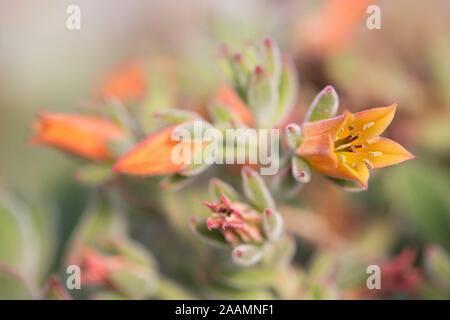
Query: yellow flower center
349,145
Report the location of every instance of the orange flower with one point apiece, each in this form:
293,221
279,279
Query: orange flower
153,156
230,99
333,25
349,145
125,84
84,136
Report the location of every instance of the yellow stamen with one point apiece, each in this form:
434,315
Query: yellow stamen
368,125
368,163
373,140
375,153
344,146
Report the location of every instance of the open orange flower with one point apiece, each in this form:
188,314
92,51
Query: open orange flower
87,137
348,145
124,84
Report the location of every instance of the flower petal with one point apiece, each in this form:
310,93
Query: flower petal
342,129
386,152
382,153
371,123
327,126
362,173
318,150
359,174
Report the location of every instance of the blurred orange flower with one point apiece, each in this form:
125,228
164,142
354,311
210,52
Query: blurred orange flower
348,145
152,156
87,137
229,98
127,83
333,25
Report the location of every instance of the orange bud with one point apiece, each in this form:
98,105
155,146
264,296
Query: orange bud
150,157
125,84
230,99
87,137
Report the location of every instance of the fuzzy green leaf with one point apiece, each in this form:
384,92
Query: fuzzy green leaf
437,265
324,105
273,224
287,91
262,97
255,190
175,182
176,116
217,187
247,255
300,170
94,174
